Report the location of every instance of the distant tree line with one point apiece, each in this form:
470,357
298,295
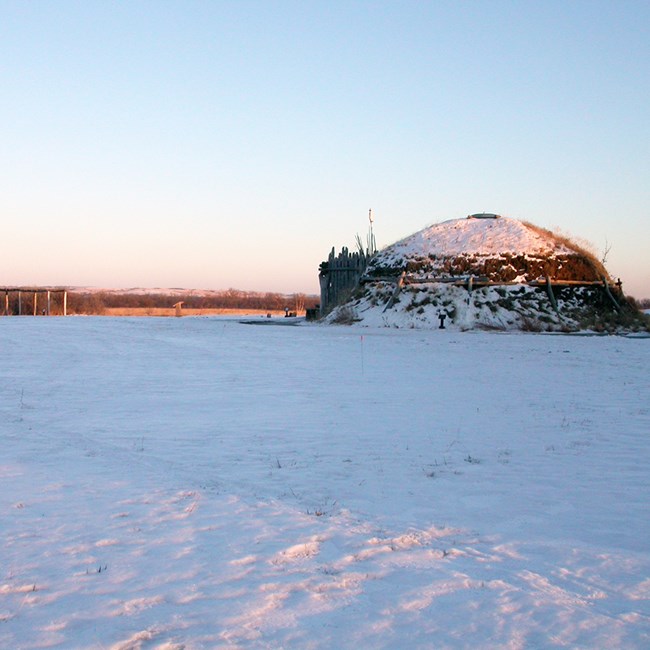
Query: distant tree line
98,302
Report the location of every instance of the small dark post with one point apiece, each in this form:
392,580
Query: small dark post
442,321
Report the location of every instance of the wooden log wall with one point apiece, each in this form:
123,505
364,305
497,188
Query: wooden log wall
339,275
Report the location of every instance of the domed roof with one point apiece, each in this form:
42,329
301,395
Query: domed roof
480,236
487,245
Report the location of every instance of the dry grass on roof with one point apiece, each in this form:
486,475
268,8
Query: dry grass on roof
597,264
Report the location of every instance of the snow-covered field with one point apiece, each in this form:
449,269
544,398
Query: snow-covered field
199,483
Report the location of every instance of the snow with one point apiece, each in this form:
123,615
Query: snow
200,483
506,308
481,237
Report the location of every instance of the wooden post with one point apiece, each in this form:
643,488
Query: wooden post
49,304
609,293
35,303
396,291
65,303
551,295
6,303
20,303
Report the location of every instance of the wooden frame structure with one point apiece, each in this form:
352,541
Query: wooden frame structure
33,291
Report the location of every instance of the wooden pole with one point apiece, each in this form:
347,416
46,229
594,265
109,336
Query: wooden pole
6,303
35,303
609,293
20,303
65,303
551,295
49,304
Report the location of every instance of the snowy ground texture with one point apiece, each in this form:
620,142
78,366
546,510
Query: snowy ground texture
199,483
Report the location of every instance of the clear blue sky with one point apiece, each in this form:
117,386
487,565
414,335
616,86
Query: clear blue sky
232,144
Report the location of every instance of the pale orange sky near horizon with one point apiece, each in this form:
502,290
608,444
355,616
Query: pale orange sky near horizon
217,145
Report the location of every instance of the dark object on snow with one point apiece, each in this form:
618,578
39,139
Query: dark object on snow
442,321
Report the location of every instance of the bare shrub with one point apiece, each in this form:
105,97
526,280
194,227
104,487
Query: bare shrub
344,316
528,324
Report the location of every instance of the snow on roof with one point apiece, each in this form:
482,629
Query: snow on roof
478,236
